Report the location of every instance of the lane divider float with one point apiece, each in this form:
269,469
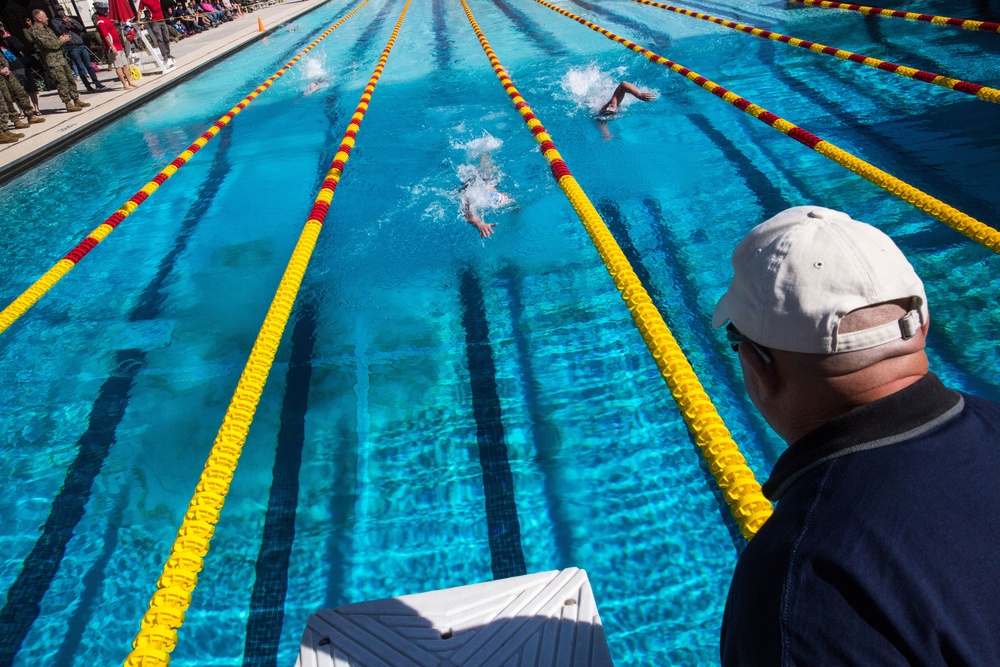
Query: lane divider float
739,487
982,92
157,637
19,306
971,227
965,24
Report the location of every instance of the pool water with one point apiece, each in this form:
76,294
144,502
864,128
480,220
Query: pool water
419,355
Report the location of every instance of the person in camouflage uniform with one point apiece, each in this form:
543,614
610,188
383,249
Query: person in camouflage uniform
50,48
7,115
13,91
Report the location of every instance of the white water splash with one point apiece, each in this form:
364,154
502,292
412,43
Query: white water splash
314,71
478,147
590,87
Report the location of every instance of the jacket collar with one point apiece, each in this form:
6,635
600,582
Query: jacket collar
906,414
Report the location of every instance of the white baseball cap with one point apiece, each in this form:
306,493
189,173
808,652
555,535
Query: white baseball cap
799,273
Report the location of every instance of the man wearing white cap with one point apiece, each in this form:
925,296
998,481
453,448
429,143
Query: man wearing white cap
883,548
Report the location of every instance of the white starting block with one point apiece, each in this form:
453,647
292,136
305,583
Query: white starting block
547,619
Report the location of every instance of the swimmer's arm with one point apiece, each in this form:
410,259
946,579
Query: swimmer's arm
485,228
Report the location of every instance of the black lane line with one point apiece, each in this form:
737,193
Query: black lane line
343,504
656,37
442,47
24,598
545,434
368,36
498,482
681,267
768,196
92,582
546,40
267,601
619,229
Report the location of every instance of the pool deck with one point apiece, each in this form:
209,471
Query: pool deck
192,55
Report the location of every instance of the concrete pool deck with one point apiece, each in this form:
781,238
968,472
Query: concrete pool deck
62,128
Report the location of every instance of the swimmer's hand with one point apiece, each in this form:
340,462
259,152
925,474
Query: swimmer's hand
485,228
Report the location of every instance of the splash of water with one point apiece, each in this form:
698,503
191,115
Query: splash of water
590,87
480,146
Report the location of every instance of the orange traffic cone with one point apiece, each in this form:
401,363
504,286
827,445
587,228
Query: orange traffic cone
260,25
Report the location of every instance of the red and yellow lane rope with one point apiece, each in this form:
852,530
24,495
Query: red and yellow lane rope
982,92
158,634
961,222
739,486
30,296
965,24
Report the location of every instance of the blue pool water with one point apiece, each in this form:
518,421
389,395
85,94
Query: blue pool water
362,475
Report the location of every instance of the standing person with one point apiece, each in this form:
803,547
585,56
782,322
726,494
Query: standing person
158,27
113,45
50,47
7,115
75,49
13,89
882,547
17,62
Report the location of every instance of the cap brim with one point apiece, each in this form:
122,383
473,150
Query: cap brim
721,315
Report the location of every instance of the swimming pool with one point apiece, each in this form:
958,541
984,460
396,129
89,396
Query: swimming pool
361,477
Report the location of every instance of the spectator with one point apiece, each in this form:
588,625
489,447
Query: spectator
75,50
113,45
882,545
158,27
18,64
12,91
51,49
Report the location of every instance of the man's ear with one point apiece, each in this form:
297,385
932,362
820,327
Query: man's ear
764,371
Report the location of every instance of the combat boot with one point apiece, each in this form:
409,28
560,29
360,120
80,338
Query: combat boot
81,103
35,118
7,137
20,124
71,106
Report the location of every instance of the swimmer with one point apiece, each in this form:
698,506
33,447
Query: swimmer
611,107
316,85
481,189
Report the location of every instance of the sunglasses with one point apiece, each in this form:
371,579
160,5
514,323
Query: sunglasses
735,338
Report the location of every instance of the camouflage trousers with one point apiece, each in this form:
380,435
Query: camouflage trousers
6,115
12,91
62,76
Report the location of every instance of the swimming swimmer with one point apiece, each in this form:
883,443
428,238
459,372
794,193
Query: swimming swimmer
480,191
611,107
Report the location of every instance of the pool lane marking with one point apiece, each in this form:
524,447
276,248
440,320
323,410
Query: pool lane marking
157,637
739,487
503,527
270,585
982,92
30,296
965,24
976,230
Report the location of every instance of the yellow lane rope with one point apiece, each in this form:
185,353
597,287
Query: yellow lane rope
739,486
957,220
19,306
157,637
965,24
982,92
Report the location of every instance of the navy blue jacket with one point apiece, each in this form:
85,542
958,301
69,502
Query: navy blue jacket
884,548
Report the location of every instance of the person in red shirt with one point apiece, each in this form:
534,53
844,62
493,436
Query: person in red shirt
158,27
113,44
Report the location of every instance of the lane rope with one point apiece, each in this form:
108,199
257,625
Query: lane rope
19,306
974,229
739,487
157,637
982,92
965,24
